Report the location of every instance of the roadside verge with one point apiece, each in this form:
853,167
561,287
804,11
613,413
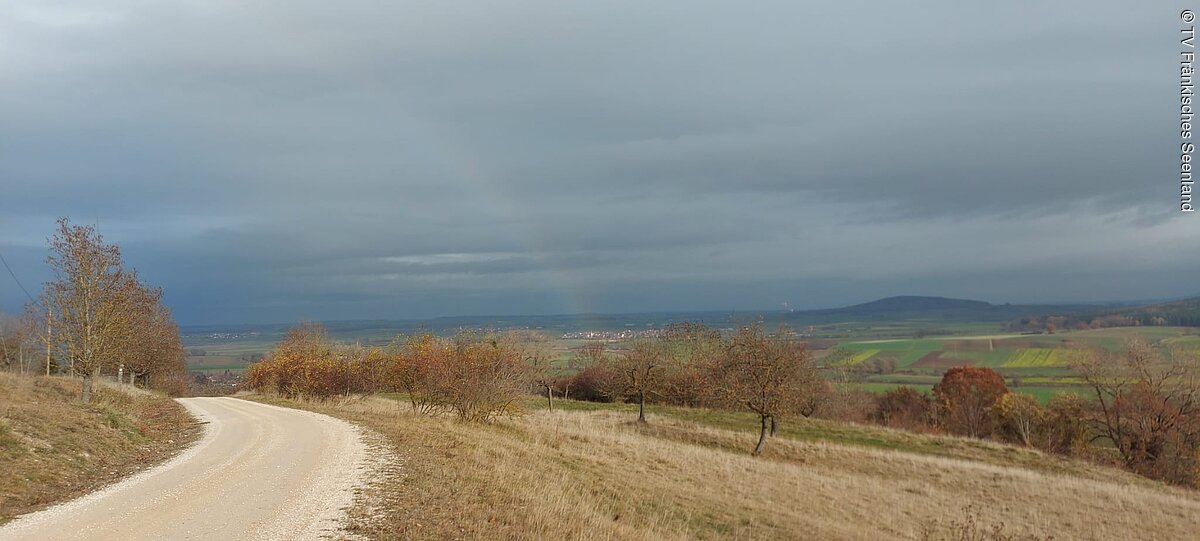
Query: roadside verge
53,448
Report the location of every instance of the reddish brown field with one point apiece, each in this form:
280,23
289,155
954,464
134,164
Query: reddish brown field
937,359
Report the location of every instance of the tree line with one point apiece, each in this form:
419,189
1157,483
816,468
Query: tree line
1143,412
480,375
477,376
95,318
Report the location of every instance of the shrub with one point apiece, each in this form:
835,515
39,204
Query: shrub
414,366
970,526
307,363
904,407
1019,417
839,402
591,382
1063,428
485,380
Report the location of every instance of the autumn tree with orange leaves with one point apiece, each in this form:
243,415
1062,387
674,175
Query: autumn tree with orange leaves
302,364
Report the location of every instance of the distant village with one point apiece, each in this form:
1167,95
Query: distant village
627,334
223,335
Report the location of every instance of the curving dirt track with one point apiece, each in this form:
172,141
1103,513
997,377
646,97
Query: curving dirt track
260,472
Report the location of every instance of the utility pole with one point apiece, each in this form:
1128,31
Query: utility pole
49,337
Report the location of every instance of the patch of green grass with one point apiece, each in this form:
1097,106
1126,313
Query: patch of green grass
993,358
1049,380
1044,393
820,430
123,423
907,379
795,428
888,386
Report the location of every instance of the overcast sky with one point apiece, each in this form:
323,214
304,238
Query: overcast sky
266,161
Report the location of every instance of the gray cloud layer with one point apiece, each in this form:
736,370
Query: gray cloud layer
276,160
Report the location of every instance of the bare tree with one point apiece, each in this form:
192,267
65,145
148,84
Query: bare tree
639,373
22,339
1148,407
769,374
15,342
88,300
543,372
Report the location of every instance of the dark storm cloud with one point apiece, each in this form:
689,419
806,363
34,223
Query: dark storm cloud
275,160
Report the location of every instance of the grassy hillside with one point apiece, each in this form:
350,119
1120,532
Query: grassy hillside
53,448
588,472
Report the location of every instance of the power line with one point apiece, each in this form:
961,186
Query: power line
14,277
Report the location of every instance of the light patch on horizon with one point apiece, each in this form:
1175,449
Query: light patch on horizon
442,259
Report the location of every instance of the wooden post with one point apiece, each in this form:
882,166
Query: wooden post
49,337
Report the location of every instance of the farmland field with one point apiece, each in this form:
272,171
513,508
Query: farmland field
1038,365
1032,357
861,356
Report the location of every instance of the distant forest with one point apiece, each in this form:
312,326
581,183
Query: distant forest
1183,313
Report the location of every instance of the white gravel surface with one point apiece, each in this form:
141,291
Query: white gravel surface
260,472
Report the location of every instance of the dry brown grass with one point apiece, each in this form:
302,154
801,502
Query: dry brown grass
53,448
597,475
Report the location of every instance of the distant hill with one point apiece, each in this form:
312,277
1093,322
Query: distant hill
931,308
910,303
907,307
1017,317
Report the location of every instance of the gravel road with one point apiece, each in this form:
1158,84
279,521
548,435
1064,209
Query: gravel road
260,472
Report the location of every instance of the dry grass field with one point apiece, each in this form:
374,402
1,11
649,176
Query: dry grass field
53,448
596,475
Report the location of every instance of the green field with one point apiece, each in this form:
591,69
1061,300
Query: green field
1033,357
1038,364
1042,393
